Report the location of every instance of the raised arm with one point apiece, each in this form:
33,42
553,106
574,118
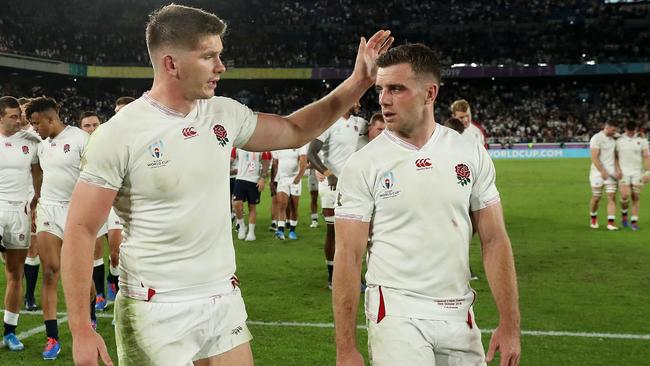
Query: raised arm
274,132
88,211
351,242
501,275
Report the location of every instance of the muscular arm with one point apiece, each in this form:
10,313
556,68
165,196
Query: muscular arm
88,211
500,270
37,180
302,166
351,241
595,159
314,158
275,132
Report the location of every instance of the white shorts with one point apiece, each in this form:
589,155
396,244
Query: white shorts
312,181
596,181
15,224
398,341
633,179
286,186
177,333
327,195
51,217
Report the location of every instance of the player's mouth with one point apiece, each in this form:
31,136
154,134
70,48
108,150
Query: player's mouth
213,83
388,116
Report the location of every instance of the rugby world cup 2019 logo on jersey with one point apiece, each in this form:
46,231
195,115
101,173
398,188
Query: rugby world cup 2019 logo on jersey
387,182
462,174
66,148
221,134
156,150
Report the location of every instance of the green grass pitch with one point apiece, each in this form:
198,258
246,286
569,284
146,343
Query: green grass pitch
571,279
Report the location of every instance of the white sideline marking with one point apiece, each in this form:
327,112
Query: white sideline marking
533,333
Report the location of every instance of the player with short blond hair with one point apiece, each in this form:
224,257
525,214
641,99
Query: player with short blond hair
163,162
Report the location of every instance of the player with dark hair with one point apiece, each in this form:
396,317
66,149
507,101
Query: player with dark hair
167,177
604,173
633,160
60,156
418,301
20,169
121,102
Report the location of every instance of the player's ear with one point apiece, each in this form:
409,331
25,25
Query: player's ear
432,93
170,65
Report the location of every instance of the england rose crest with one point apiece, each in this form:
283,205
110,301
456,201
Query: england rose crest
462,173
66,148
25,149
221,133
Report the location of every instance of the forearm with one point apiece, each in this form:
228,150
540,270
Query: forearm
316,117
500,270
314,158
76,274
345,299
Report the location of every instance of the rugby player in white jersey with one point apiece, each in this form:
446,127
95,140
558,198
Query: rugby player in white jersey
633,159
290,166
604,172
19,165
418,300
89,121
59,155
337,143
460,109
376,126
252,169
179,303
32,261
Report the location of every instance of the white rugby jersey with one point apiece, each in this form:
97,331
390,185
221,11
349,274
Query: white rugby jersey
249,164
17,154
607,146
473,133
340,141
171,174
60,158
630,154
419,202
288,162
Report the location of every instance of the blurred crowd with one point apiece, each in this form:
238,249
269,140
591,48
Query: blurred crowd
511,110
325,33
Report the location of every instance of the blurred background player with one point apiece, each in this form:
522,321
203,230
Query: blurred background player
633,159
59,155
290,166
604,172
312,183
376,126
20,170
460,109
121,102
338,143
455,124
32,261
252,170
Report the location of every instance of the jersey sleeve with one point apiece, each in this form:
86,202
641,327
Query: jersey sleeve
303,150
355,199
484,190
104,160
248,122
594,143
644,146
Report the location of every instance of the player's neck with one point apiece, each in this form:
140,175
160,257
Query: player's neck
58,128
171,98
4,133
420,135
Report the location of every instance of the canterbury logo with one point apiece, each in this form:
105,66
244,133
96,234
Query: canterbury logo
189,132
423,163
